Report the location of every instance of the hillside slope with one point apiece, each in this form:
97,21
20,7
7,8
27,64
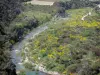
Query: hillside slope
69,47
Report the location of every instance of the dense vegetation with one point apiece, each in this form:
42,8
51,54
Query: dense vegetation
69,47
15,21
72,4
8,11
32,16
27,20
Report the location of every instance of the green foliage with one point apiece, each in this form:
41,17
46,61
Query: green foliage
73,4
22,72
30,17
40,8
8,11
69,47
29,66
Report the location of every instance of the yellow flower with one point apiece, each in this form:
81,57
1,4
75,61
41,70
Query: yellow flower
83,39
65,72
43,51
50,56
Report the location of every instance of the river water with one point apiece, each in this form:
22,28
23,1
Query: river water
16,57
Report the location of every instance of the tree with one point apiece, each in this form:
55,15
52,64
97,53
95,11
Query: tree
97,9
8,11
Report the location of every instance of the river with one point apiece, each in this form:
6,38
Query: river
16,49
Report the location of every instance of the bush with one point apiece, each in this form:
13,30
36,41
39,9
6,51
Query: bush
29,66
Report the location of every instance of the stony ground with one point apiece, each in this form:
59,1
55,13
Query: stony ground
40,2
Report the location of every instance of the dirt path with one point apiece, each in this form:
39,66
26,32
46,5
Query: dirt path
37,2
89,14
83,18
